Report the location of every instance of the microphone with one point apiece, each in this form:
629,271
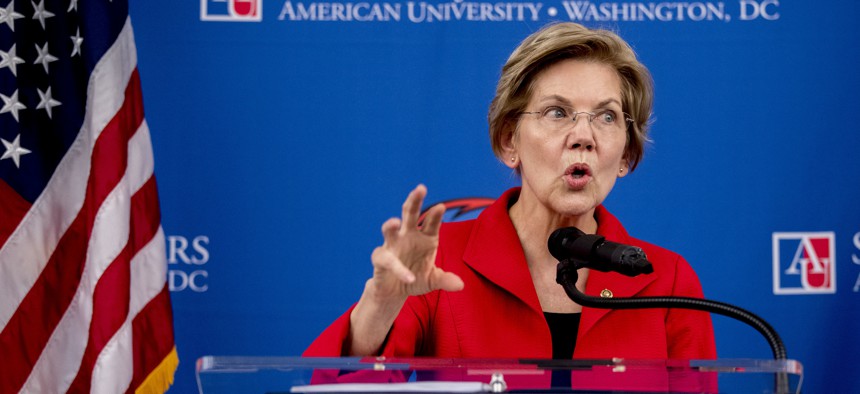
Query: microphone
595,252
574,250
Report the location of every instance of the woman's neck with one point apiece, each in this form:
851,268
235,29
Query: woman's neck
534,222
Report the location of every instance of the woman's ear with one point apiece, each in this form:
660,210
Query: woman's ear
509,148
624,168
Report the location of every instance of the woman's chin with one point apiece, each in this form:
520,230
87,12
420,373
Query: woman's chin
575,207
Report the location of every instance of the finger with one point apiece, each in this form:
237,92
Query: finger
412,208
389,229
384,260
446,281
433,219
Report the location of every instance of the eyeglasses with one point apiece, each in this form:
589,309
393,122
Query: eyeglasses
554,118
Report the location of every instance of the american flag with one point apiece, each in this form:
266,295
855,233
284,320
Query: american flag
84,305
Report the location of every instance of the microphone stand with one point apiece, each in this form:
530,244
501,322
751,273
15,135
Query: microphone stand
566,276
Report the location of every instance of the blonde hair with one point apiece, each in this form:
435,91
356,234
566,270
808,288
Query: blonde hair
561,41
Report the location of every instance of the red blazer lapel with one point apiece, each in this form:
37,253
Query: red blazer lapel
494,252
619,285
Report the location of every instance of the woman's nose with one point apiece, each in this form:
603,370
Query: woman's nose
581,135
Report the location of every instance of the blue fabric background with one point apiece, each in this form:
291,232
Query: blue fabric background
281,146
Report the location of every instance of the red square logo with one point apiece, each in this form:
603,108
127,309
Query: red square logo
231,10
804,263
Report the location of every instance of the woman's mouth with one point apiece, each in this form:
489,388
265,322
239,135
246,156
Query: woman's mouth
577,176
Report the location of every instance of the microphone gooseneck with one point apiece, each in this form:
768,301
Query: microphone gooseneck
574,250
566,276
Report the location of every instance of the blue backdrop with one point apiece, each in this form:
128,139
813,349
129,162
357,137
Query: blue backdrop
281,129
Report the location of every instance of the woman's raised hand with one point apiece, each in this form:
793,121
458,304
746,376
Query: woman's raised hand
405,263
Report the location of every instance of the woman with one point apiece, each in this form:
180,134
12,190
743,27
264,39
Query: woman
570,116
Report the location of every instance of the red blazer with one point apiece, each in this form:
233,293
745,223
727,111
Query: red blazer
498,315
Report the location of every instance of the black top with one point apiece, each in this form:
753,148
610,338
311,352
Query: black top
562,327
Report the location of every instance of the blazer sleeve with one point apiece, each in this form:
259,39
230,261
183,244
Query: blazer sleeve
690,334
332,341
405,338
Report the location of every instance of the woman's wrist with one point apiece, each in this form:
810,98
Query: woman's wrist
371,320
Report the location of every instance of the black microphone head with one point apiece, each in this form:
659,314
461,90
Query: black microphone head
592,251
631,261
560,241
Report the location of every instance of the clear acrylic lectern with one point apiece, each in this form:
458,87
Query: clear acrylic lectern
233,374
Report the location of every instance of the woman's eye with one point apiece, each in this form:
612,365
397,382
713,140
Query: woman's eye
555,113
607,117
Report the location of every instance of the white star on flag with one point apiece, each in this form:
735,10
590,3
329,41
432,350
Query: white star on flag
11,104
46,101
44,57
14,150
77,40
8,15
11,60
40,13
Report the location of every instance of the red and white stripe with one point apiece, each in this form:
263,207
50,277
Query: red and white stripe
83,276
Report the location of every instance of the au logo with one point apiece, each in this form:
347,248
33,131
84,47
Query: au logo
804,263
231,10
